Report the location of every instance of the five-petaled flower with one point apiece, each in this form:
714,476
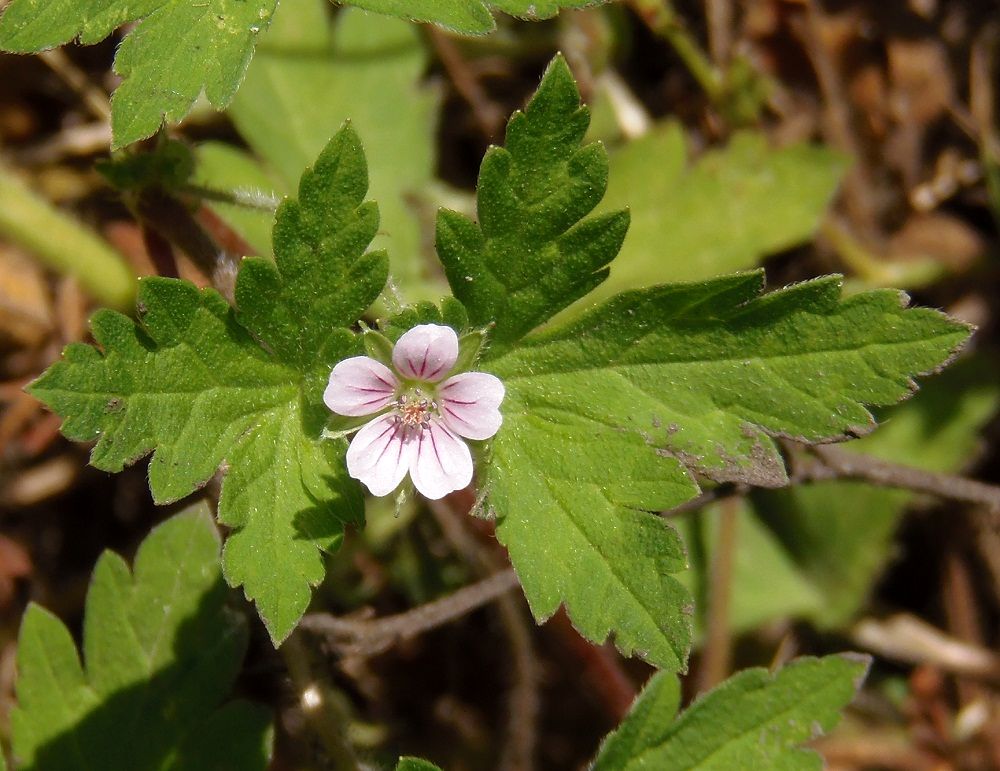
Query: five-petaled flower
422,415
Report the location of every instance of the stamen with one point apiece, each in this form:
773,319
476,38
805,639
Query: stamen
415,411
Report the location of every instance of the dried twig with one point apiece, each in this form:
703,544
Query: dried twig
907,638
368,638
93,97
489,116
837,463
859,198
961,612
830,462
720,31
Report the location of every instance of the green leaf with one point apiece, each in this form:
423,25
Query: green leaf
608,415
178,49
161,657
472,17
308,78
647,724
569,495
193,384
708,373
733,207
530,255
755,719
840,534
415,764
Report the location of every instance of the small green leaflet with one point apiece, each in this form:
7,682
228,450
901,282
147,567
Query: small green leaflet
469,16
530,256
193,384
178,49
161,655
755,719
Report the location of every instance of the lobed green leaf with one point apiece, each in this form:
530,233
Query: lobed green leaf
205,387
607,416
469,16
569,495
755,719
707,373
161,656
532,254
177,50
839,534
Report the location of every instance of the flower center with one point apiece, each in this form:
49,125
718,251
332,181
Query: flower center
414,409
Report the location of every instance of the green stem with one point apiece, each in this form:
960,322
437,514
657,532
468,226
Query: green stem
63,244
661,18
245,199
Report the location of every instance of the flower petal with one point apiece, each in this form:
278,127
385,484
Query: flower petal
360,386
469,404
427,352
380,454
442,462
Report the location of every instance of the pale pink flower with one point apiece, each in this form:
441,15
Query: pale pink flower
422,417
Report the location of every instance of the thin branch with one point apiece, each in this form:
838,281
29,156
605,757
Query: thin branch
368,638
96,100
837,463
829,462
909,639
720,30
523,702
859,198
662,19
488,115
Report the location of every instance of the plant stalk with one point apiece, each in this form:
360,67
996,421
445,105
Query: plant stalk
32,223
